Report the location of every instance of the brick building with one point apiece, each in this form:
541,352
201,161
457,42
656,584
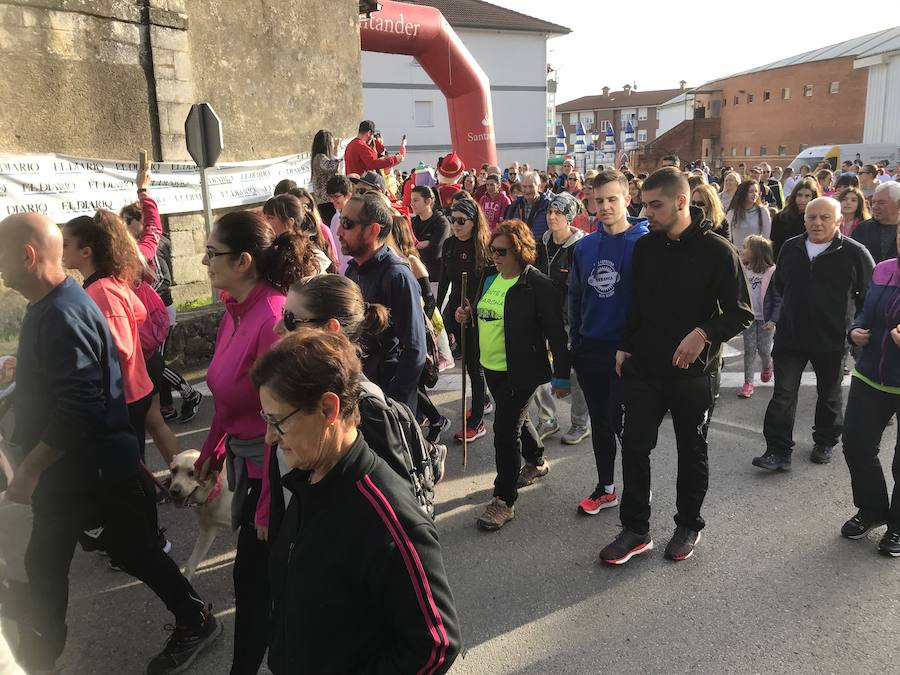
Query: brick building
772,112
615,108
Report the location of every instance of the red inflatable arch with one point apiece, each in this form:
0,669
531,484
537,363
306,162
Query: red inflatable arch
422,32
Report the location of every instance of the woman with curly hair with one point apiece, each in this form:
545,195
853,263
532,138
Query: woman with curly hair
516,300
253,269
466,250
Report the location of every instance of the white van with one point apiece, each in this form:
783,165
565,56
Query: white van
835,155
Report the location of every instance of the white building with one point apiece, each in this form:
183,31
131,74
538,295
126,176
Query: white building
882,124
510,47
674,111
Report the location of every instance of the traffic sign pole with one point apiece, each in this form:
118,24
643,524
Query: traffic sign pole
207,218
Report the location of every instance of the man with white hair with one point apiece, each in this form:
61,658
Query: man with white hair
879,233
532,206
818,273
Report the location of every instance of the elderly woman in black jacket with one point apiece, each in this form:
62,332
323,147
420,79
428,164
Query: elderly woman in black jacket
517,301
356,568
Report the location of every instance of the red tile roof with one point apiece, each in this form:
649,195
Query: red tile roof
619,99
480,14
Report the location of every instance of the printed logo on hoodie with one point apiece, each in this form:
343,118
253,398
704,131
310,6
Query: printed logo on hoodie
603,278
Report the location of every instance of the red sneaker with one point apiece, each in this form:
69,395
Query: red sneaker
471,434
598,501
766,374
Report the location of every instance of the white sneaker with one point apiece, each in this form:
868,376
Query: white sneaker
547,428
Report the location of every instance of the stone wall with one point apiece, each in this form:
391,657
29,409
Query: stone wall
194,338
104,78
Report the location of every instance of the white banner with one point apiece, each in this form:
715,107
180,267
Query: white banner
62,187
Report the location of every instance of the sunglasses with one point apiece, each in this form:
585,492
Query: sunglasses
499,251
458,220
701,205
347,224
513,173
276,423
291,322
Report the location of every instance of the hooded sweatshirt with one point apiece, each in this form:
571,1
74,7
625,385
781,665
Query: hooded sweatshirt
695,281
600,283
878,363
555,260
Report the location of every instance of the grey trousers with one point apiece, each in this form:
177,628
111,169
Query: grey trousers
546,404
757,341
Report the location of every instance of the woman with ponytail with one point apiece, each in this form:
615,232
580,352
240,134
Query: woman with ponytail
289,213
253,269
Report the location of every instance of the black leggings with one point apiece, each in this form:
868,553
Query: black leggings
427,407
137,415
171,380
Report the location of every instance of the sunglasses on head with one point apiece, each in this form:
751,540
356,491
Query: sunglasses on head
499,251
291,322
458,220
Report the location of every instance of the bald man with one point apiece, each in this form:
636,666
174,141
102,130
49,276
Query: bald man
818,274
81,470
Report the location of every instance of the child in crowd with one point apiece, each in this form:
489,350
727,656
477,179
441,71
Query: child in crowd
759,265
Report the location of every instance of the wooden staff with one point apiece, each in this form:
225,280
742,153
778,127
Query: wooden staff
462,344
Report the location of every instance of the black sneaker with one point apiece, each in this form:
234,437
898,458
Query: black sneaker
858,526
435,429
773,462
438,459
681,545
625,546
890,544
184,645
821,454
190,406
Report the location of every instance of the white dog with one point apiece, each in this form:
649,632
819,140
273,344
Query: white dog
211,500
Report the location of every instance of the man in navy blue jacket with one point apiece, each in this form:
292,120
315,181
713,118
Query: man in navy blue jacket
532,206
394,359
81,469
599,286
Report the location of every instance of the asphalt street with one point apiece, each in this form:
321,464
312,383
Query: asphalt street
772,587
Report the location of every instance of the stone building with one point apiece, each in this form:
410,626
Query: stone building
105,78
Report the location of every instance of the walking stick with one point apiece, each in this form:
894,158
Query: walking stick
462,343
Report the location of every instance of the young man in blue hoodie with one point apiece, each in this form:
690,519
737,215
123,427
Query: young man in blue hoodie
599,286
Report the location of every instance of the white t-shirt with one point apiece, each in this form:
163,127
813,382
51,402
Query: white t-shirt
813,250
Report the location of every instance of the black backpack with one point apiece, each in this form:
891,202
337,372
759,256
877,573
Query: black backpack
391,430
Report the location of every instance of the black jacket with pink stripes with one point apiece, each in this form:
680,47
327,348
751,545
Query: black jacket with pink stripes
358,579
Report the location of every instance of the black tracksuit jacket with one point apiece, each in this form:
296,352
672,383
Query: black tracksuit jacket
808,299
358,581
678,285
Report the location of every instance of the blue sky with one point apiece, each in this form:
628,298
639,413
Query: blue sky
671,41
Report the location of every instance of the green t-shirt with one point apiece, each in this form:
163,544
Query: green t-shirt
491,336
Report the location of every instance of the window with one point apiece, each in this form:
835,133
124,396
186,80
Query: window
559,118
749,98
573,118
642,114
834,87
423,113
747,151
587,119
807,89
737,99
641,135
785,93
604,125
782,150
733,151
767,95
763,151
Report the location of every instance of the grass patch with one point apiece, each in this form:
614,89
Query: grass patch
196,303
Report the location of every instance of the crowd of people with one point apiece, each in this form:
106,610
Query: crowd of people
342,305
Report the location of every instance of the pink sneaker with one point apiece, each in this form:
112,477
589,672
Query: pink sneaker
766,374
746,391
446,364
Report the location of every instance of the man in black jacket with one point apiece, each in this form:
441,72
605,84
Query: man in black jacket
81,469
394,359
818,274
688,296
879,233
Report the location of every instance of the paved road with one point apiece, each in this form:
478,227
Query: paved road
771,589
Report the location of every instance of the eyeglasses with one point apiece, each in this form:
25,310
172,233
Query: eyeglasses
499,251
291,322
336,196
348,224
212,253
698,204
276,423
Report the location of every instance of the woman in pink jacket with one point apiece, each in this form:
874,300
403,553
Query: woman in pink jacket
253,270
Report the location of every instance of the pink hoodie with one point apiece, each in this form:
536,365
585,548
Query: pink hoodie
246,331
